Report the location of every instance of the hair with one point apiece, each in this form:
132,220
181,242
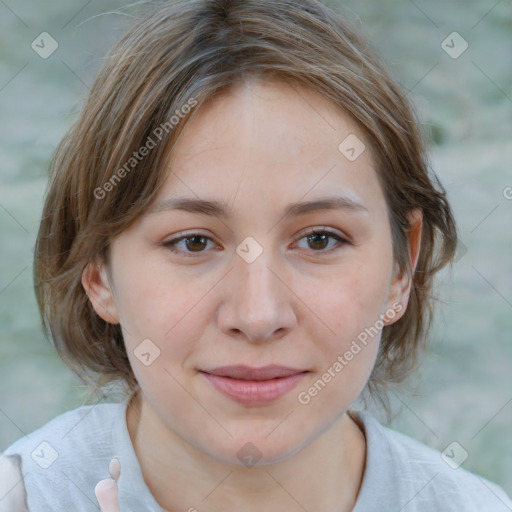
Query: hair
179,54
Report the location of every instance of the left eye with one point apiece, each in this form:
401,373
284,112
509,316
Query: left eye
196,242
319,237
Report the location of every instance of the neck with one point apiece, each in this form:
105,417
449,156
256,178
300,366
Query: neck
325,475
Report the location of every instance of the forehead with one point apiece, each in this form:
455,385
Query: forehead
267,143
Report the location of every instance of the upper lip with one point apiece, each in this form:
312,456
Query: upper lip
242,372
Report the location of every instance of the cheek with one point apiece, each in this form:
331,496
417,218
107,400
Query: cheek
168,310
351,306
154,298
342,380
352,309
355,297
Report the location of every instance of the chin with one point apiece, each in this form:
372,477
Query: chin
253,448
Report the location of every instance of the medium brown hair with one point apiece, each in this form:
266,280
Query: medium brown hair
196,49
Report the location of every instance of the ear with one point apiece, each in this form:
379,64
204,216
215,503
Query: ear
98,288
401,283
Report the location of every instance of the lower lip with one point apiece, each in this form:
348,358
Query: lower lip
251,392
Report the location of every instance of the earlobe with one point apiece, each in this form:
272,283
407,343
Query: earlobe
402,281
98,289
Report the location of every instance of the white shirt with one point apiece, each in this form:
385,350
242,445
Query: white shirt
62,462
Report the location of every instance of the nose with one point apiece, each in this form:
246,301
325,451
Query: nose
258,304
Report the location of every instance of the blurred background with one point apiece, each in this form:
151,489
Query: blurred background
462,86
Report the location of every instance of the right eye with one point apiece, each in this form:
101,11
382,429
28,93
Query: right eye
194,243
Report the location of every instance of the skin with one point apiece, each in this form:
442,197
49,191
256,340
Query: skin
301,303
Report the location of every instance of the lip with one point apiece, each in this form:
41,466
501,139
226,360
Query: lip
254,386
243,372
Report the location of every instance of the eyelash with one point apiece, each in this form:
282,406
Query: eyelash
170,244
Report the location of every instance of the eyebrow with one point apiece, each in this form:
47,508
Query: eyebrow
218,209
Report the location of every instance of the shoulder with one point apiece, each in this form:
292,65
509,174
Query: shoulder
421,478
68,453
66,429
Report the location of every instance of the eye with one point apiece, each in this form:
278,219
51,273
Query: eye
318,240
194,243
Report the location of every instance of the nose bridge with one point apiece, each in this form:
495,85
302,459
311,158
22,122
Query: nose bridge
258,294
257,283
257,302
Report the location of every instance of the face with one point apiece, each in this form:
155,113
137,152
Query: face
253,285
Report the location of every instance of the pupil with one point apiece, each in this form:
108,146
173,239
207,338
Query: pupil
324,238
191,246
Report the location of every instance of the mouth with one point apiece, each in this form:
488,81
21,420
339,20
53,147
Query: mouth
242,372
254,386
